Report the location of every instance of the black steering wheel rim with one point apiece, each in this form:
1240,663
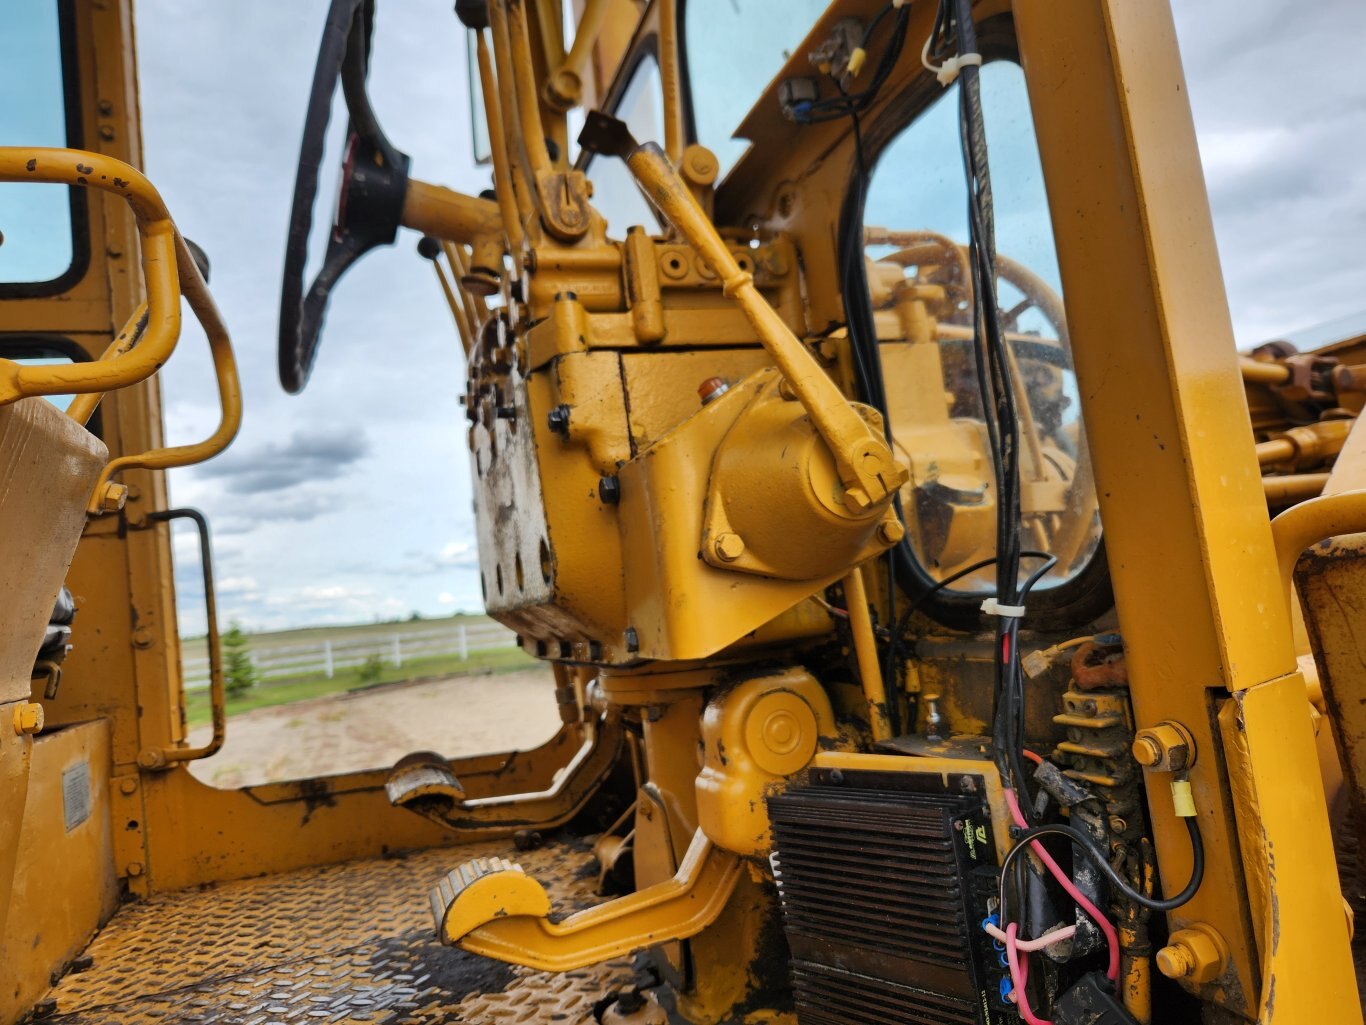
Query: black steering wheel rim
371,201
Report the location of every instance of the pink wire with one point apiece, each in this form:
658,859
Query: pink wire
1019,975
1030,946
1111,937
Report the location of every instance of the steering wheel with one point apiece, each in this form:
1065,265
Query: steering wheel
369,202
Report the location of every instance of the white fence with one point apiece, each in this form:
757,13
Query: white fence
329,656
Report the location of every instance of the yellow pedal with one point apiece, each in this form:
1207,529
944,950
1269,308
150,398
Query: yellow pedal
481,891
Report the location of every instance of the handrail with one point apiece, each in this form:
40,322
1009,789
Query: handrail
162,757
1313,521
196,293
154,345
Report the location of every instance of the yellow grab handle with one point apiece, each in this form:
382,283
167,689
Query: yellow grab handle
196,293
133,362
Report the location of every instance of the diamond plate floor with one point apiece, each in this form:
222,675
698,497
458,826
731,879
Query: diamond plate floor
339,944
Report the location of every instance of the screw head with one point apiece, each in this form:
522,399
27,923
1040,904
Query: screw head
728,547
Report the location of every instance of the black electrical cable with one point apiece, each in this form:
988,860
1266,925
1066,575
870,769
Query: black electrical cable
1095,855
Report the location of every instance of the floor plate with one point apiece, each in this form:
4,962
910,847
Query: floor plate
343,943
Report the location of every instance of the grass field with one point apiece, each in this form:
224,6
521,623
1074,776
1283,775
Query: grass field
284,690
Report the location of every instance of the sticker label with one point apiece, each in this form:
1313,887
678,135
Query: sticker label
76,794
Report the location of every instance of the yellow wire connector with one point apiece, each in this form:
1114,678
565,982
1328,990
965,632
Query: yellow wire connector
856,61
1183,801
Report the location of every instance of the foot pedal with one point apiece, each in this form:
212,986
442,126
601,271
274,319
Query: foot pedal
482,891
424,778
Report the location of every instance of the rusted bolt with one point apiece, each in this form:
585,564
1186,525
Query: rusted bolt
28,718
1196,953
712,388
728,547
609,490
113,496
558,420
1166,747
134,868
890,532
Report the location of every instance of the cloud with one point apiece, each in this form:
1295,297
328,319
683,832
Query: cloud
445,598
322,454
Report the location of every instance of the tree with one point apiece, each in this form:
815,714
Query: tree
372,669
239,672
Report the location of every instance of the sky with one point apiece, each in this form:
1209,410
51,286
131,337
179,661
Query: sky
352,501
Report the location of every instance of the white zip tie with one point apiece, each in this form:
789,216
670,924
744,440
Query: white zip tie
947,73
994,608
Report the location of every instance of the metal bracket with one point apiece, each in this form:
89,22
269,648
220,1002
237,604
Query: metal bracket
428,786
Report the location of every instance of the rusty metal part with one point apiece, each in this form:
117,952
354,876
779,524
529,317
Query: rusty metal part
1096,664
427,786
345,944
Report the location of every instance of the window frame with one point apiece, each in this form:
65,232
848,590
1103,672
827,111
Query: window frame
78,198
1088,594
41,345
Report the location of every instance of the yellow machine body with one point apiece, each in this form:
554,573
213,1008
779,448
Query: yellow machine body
705,569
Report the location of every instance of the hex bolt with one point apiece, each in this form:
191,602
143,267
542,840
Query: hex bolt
890,532
728,547
1196,953
609,490
28,718
558,420
1166,747
113,496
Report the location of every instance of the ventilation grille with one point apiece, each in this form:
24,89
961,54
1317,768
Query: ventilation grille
880,875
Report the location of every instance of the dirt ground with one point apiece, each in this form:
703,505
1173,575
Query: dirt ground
457,716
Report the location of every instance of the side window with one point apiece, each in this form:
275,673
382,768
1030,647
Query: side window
36,222
915,237
44,351
615,193
732,49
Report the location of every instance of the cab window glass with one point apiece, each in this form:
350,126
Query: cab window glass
733,48
35,219
615,193
915,234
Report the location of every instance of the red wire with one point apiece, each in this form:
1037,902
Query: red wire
1111,937
1033,756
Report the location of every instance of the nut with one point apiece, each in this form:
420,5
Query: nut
1166,747
728,547
890,531
1196,954
112,497
28,718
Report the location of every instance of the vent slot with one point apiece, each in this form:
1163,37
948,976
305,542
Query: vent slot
878,885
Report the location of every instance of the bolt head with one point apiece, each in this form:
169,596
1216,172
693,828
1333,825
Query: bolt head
609,490
728,547
1146,751
113,497
1175,962
890,532
28,718
558,419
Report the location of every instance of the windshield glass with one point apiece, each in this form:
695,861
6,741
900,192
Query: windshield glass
915,238
732,49
615,192
35,220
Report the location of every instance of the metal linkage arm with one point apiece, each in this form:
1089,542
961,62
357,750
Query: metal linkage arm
863,460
